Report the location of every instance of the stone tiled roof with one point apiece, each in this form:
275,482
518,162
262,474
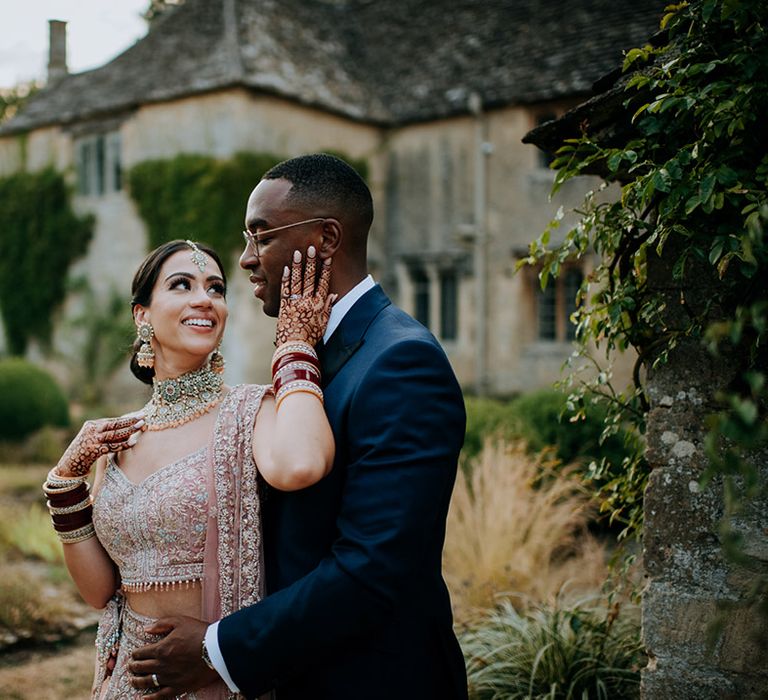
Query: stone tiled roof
387,62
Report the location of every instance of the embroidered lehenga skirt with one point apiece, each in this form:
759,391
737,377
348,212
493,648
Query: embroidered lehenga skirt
121,632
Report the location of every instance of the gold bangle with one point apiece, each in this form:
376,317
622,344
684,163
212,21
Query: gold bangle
60,484
56,493
295,346
70,509
296,387
79,535
285,369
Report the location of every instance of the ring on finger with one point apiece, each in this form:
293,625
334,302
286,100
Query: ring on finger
155,681
294,296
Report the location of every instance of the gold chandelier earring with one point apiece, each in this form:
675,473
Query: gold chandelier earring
217,361
145,357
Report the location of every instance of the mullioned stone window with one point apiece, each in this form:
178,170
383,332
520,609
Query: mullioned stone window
555,304
98,164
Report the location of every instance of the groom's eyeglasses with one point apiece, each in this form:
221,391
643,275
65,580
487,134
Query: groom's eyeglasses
254,239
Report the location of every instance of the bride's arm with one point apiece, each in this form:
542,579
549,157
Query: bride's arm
70,505
292,441
293,445
90,567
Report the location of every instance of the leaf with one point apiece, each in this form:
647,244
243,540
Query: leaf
746,410
706,187
639,111
632,56
661,180
614,162
726,176
665,19
716,251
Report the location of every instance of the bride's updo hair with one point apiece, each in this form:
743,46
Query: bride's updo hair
144,282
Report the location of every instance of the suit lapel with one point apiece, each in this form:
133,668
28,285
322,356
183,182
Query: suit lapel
349,336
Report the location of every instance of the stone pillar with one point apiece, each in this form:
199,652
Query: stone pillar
690,583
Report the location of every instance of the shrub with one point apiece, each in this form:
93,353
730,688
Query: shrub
31,399
512,531
541,419
544,421
488,418
554,653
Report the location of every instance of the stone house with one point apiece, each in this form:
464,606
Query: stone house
434,96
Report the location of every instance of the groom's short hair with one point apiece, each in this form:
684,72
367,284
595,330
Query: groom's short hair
320,180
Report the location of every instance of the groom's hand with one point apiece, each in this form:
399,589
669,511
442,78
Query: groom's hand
174,665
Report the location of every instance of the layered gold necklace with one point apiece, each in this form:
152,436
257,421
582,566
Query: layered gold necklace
182,399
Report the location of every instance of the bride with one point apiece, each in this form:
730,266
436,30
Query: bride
173,526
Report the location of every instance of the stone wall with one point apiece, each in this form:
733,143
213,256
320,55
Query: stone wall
691,586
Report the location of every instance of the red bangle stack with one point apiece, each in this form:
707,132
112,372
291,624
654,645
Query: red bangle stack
70,505
295,368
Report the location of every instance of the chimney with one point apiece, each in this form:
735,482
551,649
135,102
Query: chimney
57,50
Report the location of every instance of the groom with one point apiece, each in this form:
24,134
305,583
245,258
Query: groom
356,606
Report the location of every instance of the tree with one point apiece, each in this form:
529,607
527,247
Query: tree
156,8
687,144
13,99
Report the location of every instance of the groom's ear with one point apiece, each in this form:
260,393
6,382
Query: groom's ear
330,238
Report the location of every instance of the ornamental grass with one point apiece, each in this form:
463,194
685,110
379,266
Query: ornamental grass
26,531
517,527
31,606
554,653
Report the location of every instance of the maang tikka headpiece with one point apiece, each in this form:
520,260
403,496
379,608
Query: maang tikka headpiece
197,257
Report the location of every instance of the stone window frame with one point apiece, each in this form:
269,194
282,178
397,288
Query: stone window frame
431,291
560,297
98,163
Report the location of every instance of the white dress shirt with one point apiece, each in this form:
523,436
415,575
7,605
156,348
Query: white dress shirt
338,311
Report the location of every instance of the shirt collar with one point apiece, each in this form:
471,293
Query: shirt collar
343,305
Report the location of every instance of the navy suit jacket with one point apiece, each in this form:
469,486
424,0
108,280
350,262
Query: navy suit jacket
356,605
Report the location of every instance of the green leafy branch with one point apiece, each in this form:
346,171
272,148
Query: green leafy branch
692,167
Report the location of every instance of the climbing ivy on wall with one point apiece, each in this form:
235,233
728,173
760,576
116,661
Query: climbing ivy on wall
197,197
40,237
200,197
694,190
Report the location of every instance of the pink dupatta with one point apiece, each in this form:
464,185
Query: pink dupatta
233,541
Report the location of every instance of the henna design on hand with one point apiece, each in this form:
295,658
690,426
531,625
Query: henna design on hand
305,304
97,438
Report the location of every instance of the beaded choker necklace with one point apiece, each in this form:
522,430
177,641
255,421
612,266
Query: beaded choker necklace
180,400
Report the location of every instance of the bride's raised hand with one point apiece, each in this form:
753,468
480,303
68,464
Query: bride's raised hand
97,438
305,304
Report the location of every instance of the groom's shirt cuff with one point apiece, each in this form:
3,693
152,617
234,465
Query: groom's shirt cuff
212,644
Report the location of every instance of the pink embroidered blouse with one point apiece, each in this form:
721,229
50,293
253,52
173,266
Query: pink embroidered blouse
155,530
